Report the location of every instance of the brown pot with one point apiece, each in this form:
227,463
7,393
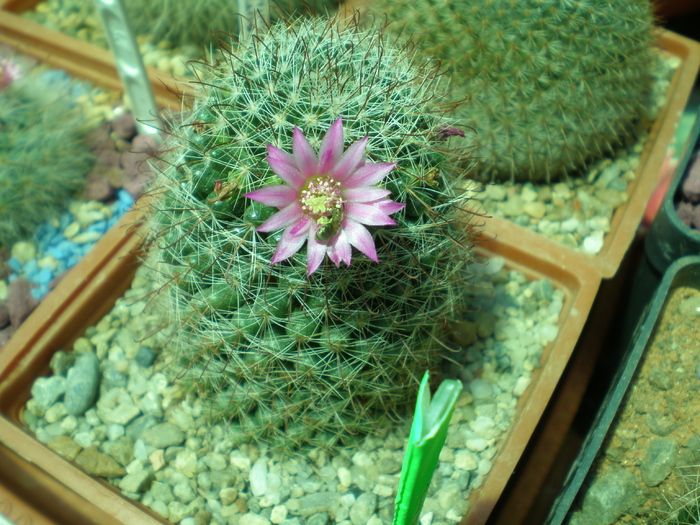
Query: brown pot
90,289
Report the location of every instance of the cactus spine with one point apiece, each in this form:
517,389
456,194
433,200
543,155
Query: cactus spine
551,84
44,160
290,359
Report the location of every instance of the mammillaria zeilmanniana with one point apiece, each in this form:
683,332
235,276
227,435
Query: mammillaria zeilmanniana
310,233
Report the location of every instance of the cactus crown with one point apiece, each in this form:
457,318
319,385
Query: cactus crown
551,84
289,358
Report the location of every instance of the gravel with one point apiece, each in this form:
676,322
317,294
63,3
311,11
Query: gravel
152,440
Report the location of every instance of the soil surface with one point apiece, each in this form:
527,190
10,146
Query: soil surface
652,450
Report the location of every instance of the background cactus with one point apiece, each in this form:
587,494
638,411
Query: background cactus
289,359
44,160
179,22
551,84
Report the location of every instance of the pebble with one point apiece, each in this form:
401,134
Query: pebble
659,460
178,466
82,384
98,464
609,497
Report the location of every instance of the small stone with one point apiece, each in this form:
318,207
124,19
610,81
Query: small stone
318,502
145,356
463,333
96,463
253,519
228,496
121,449
137,482
163,435
609,496
123,414
47,390
345,477
363,508
278,514
592,244
61,362
534,209
87,237
258,477
157,459
82,384
465,460
72,230
184,492
658,461
24,251
661,378
485,322
65,447
20,301
322,518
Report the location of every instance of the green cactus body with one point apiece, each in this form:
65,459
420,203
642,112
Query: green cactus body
550,84
288,358
179,22
44,160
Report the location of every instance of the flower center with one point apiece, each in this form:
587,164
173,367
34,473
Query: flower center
321,197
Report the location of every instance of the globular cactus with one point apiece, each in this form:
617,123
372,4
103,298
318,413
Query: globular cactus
305,351
44,159
191,22
551,84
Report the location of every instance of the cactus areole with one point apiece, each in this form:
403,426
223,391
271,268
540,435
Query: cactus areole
261,181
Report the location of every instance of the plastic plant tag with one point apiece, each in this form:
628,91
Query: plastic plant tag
428,434
129,63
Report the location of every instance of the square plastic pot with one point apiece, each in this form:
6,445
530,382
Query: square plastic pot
683,272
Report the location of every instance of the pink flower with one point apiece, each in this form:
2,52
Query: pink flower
9,72
327,200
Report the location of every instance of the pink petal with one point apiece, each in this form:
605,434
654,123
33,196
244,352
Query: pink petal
301,227
360,238
282,219
283,165
289,245
315,251
279,196
331,147
351,160
365,194
304,155
388,206
368,214
339,249
369,175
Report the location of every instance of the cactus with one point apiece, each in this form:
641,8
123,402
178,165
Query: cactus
44,160
299,352
191,22
551,85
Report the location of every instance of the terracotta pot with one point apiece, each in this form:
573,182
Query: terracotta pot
90,289
77,58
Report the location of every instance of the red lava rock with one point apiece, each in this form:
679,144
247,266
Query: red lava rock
98,188
4,315
685,213
20,301
135,161
99,138
109,157
691,184
124,126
